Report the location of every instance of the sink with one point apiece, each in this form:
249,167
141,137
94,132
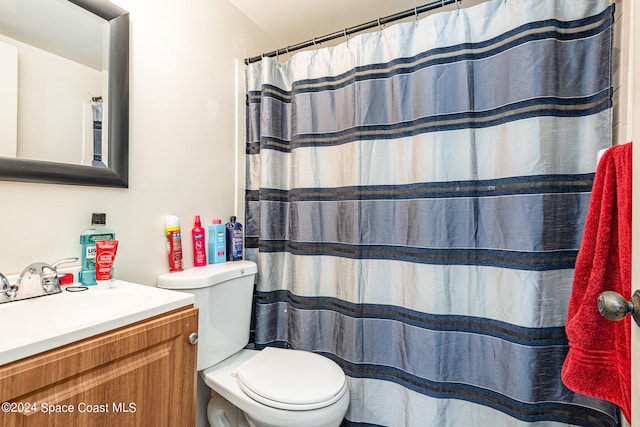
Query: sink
40,324
65,310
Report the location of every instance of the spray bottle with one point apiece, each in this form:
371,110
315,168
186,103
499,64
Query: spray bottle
174,242
197,237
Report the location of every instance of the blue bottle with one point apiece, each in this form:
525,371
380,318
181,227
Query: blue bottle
97,231
217,242
234,240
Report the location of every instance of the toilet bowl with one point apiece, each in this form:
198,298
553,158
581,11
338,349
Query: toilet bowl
273,387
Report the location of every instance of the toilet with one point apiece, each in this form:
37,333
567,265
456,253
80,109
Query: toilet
273,387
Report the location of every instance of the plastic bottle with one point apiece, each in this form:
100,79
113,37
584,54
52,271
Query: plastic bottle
197,237
234,240
97,231
174,242
217,242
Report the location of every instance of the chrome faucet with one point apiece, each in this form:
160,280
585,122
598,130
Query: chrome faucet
36,280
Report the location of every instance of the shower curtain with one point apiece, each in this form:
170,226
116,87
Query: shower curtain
415,203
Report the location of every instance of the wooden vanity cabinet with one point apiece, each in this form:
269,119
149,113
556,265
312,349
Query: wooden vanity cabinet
142,374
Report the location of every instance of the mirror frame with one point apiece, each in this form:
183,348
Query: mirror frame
117,174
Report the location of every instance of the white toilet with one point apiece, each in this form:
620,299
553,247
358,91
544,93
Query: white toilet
269,388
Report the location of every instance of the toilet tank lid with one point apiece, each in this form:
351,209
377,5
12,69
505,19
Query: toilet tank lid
211,274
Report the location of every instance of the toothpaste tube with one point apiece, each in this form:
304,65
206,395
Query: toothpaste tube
105,255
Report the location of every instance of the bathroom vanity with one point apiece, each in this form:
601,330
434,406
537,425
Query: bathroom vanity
124,356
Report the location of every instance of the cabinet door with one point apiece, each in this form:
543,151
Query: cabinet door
139,375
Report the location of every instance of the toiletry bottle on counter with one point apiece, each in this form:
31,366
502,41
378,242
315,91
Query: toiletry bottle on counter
217,242
105,255
97,231
174,242
197,237
234,240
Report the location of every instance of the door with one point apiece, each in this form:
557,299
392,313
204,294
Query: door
632,9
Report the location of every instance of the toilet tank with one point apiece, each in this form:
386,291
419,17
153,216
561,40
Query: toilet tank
223,294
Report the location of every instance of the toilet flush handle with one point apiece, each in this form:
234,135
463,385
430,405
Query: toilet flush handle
193,338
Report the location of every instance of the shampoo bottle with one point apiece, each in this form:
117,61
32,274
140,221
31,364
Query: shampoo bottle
174,242
197,236
217,242
97,231
234,240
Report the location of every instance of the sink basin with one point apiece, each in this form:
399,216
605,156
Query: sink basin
64,311
43,323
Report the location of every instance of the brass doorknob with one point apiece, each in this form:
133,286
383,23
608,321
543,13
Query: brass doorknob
614,307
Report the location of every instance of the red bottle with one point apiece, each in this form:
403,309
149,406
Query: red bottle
197,236
174,242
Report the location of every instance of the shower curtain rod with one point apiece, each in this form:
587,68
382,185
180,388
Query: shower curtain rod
352,30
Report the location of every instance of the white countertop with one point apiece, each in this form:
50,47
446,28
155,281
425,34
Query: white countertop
38,324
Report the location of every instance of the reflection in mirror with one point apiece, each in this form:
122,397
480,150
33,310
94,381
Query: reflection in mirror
64,92
54,108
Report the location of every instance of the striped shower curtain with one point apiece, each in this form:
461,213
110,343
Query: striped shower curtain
415,203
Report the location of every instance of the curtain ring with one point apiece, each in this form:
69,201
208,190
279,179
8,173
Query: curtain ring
379,25
314,43
415,10
458,4
346,36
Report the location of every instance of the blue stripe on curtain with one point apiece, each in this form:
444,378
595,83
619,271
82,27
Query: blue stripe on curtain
415,204
494,187
468,324
480,257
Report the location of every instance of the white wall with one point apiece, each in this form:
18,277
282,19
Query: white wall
183,105
8,99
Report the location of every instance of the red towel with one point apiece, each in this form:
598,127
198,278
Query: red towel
599,359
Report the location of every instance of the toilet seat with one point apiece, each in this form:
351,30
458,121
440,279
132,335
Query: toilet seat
291,379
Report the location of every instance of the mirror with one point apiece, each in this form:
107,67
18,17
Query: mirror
113,165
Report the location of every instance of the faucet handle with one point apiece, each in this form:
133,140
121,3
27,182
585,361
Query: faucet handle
50,276
56,264
6,289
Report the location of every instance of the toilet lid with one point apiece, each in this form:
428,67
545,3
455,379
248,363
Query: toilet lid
291,379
